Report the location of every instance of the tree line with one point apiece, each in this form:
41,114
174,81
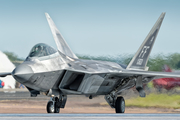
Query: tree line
155,62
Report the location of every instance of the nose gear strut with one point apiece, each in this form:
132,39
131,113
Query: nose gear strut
55,103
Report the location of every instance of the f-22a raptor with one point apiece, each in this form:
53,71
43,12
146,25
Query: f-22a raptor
58,73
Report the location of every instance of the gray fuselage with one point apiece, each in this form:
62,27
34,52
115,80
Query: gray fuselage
71,76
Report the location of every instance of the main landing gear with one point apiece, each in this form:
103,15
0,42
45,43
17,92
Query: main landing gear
55,103
116,102
120,105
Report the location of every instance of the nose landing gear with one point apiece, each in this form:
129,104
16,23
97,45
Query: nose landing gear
55,103
52,105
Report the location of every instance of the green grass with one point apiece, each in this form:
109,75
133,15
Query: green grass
156,100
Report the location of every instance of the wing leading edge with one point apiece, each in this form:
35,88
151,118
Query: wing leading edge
135,73
148,74
5,74
140,59
60,42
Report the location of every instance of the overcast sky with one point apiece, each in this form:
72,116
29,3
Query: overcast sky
90,27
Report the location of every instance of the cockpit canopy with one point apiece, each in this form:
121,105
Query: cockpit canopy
41,50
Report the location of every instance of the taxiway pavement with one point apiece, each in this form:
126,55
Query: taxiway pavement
90,116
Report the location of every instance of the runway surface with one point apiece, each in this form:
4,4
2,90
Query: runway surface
90,116
18,101
18,94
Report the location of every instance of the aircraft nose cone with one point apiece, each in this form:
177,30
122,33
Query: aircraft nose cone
22,73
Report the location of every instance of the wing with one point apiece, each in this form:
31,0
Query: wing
99,82
60,42
147,74
5,74
140,59
133,74
137,78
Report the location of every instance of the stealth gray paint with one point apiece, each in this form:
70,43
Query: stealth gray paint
63,73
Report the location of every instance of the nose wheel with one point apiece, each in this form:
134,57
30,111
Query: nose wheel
53,106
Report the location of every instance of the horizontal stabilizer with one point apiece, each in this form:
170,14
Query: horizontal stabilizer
60,42
140,59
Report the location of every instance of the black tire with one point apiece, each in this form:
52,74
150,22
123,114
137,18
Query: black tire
50,107
120,105
57,110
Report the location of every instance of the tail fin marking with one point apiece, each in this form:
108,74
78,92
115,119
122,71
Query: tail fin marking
140,59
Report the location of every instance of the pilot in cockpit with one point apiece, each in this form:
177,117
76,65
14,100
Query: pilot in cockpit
41,50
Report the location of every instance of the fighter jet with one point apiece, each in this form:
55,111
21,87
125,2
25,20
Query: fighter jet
58,73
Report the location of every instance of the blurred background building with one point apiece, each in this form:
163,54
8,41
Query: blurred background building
6,66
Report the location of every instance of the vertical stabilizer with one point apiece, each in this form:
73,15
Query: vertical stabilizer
140,59
60,42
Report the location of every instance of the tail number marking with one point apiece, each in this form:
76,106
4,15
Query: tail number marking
139,61
144,51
